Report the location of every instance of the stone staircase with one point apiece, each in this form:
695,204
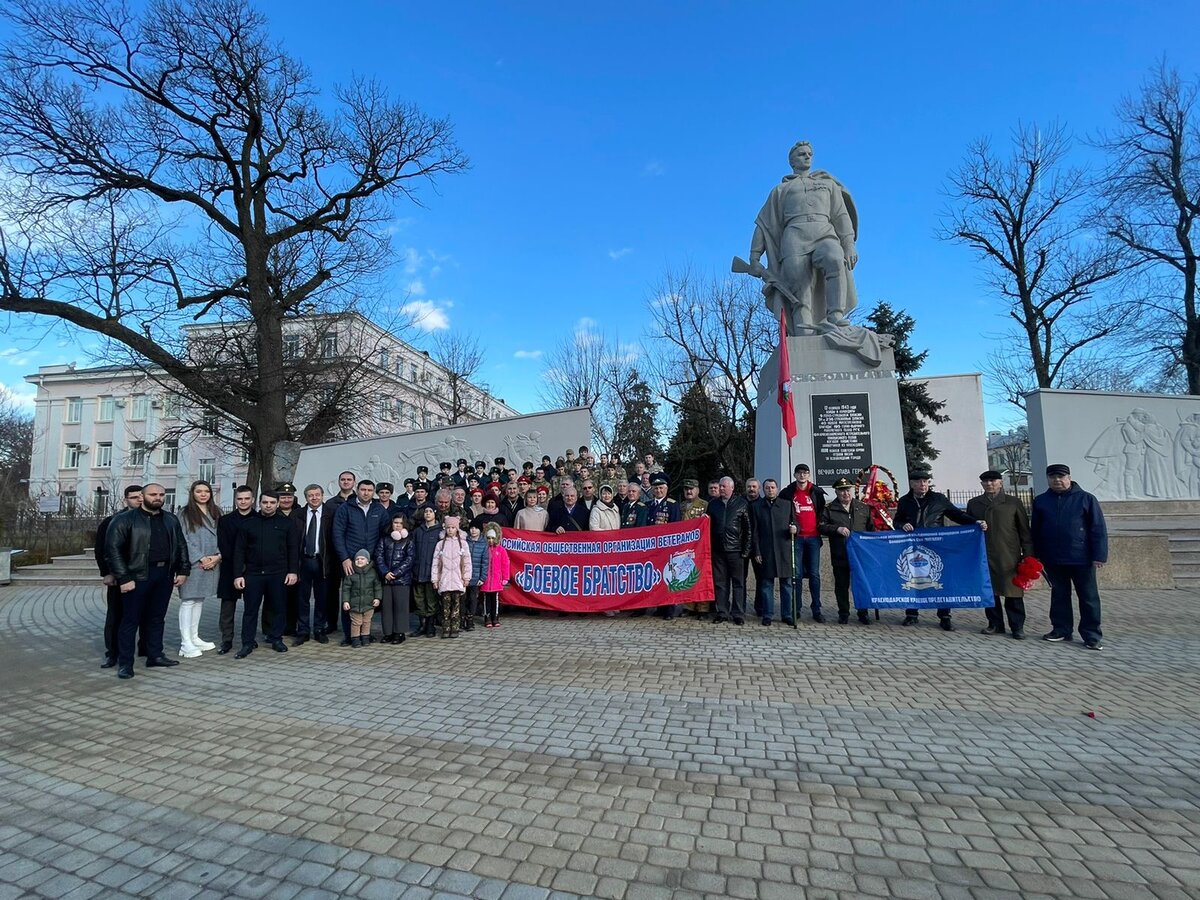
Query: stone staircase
78,569
1177,520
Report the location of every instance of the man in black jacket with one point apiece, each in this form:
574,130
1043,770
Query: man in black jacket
732,536
922,508
315,524
266,560
227,528
147,555
841,518
112,615
569,515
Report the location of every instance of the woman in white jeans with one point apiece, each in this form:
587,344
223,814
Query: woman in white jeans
199,521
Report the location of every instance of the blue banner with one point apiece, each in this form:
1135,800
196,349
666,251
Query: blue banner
937,567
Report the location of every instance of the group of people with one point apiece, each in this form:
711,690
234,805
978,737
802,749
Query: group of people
434,549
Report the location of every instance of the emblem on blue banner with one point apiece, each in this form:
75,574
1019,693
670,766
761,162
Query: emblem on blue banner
920,568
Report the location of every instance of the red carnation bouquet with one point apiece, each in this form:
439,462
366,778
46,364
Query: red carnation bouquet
1029,570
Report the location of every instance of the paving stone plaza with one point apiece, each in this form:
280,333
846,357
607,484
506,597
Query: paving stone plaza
610,758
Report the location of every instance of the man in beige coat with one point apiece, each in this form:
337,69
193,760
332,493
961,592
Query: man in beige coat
1008,541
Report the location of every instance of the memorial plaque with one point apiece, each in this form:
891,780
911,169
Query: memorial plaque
841,430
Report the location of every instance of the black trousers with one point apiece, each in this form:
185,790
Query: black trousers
112,621
1014,606
228,616
145,609
311,587
729,583
333,601
263,591
943,613
1062,613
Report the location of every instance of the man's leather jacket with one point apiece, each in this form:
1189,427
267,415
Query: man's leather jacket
730,524
127,546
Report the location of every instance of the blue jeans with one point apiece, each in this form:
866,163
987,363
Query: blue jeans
765,597
1062,612
808,565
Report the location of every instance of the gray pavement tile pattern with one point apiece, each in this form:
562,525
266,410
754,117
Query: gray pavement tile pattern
608,758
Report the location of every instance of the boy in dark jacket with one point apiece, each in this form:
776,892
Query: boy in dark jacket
479,570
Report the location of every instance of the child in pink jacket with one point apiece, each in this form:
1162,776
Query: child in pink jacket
497,577
451,573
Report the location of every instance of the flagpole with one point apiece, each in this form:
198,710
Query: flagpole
787,415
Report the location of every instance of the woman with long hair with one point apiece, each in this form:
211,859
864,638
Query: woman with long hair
199,520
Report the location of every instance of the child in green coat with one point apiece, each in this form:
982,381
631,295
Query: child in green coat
361,593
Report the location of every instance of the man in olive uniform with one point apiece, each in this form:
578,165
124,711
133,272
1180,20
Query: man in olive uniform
693,507
839,518
1008,540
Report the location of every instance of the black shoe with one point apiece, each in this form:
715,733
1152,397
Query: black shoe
843,618
718,619
356,642
279,646
398,638
818,618
991,629
766,622
300,641
1054,637
225,647
161,662
109,662
125,672
1018,635
737,621
945,624
864,619
420,629
790,623
344,642
369,639
669,616
638,613
1093,645
909,620
246,650
320,638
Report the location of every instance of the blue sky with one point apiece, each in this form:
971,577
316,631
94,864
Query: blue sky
611,143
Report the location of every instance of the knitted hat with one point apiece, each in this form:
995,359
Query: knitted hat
364,552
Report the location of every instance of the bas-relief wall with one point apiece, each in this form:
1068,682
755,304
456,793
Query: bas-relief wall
1119,446
396,457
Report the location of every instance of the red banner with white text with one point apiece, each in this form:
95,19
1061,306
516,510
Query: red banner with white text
597,571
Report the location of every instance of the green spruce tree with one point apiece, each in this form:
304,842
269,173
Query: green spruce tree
917,407
637,433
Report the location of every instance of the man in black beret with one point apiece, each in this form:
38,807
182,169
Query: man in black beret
1008,542
920,509
1070,538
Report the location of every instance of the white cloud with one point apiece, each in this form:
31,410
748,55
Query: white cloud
412,260
9,351
427,315
586,324
617,254
23,395
528,354
416,287
653,169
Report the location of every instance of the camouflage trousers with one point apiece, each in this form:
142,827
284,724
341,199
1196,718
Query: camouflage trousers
451,603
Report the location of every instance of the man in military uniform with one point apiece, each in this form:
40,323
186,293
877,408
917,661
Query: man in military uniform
634,513
661,510
423,480
693,507
287,507
460,473
839,518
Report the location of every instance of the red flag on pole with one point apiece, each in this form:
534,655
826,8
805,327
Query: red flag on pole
785,383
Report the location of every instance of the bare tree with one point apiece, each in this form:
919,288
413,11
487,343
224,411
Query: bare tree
178,166
1023,216
712,337
462,357
1151,198
16,451
588,368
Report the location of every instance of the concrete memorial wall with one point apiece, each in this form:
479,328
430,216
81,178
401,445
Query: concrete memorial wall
1119,446
395,457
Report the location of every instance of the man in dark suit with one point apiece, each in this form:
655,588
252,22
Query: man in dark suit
266,561
569,515
112,615
227,529
315,524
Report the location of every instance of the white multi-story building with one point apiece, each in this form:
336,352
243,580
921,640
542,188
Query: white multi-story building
99,429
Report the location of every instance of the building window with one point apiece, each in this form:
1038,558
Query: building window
103,457
104,409
169,499
170,453
426,420
243,455
208,424
66,503
291,346
137,454
325,394
207,470
101,502
329,348
385,410
385,360
141,407
172,403
71,454
74,410
413,375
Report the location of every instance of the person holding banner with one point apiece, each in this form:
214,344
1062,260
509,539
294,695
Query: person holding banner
732,537
1008,542
772,548
839,519
1070,537
922,508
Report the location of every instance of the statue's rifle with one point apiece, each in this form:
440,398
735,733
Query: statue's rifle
739,266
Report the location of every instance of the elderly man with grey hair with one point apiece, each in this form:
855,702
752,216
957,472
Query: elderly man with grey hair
729,520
